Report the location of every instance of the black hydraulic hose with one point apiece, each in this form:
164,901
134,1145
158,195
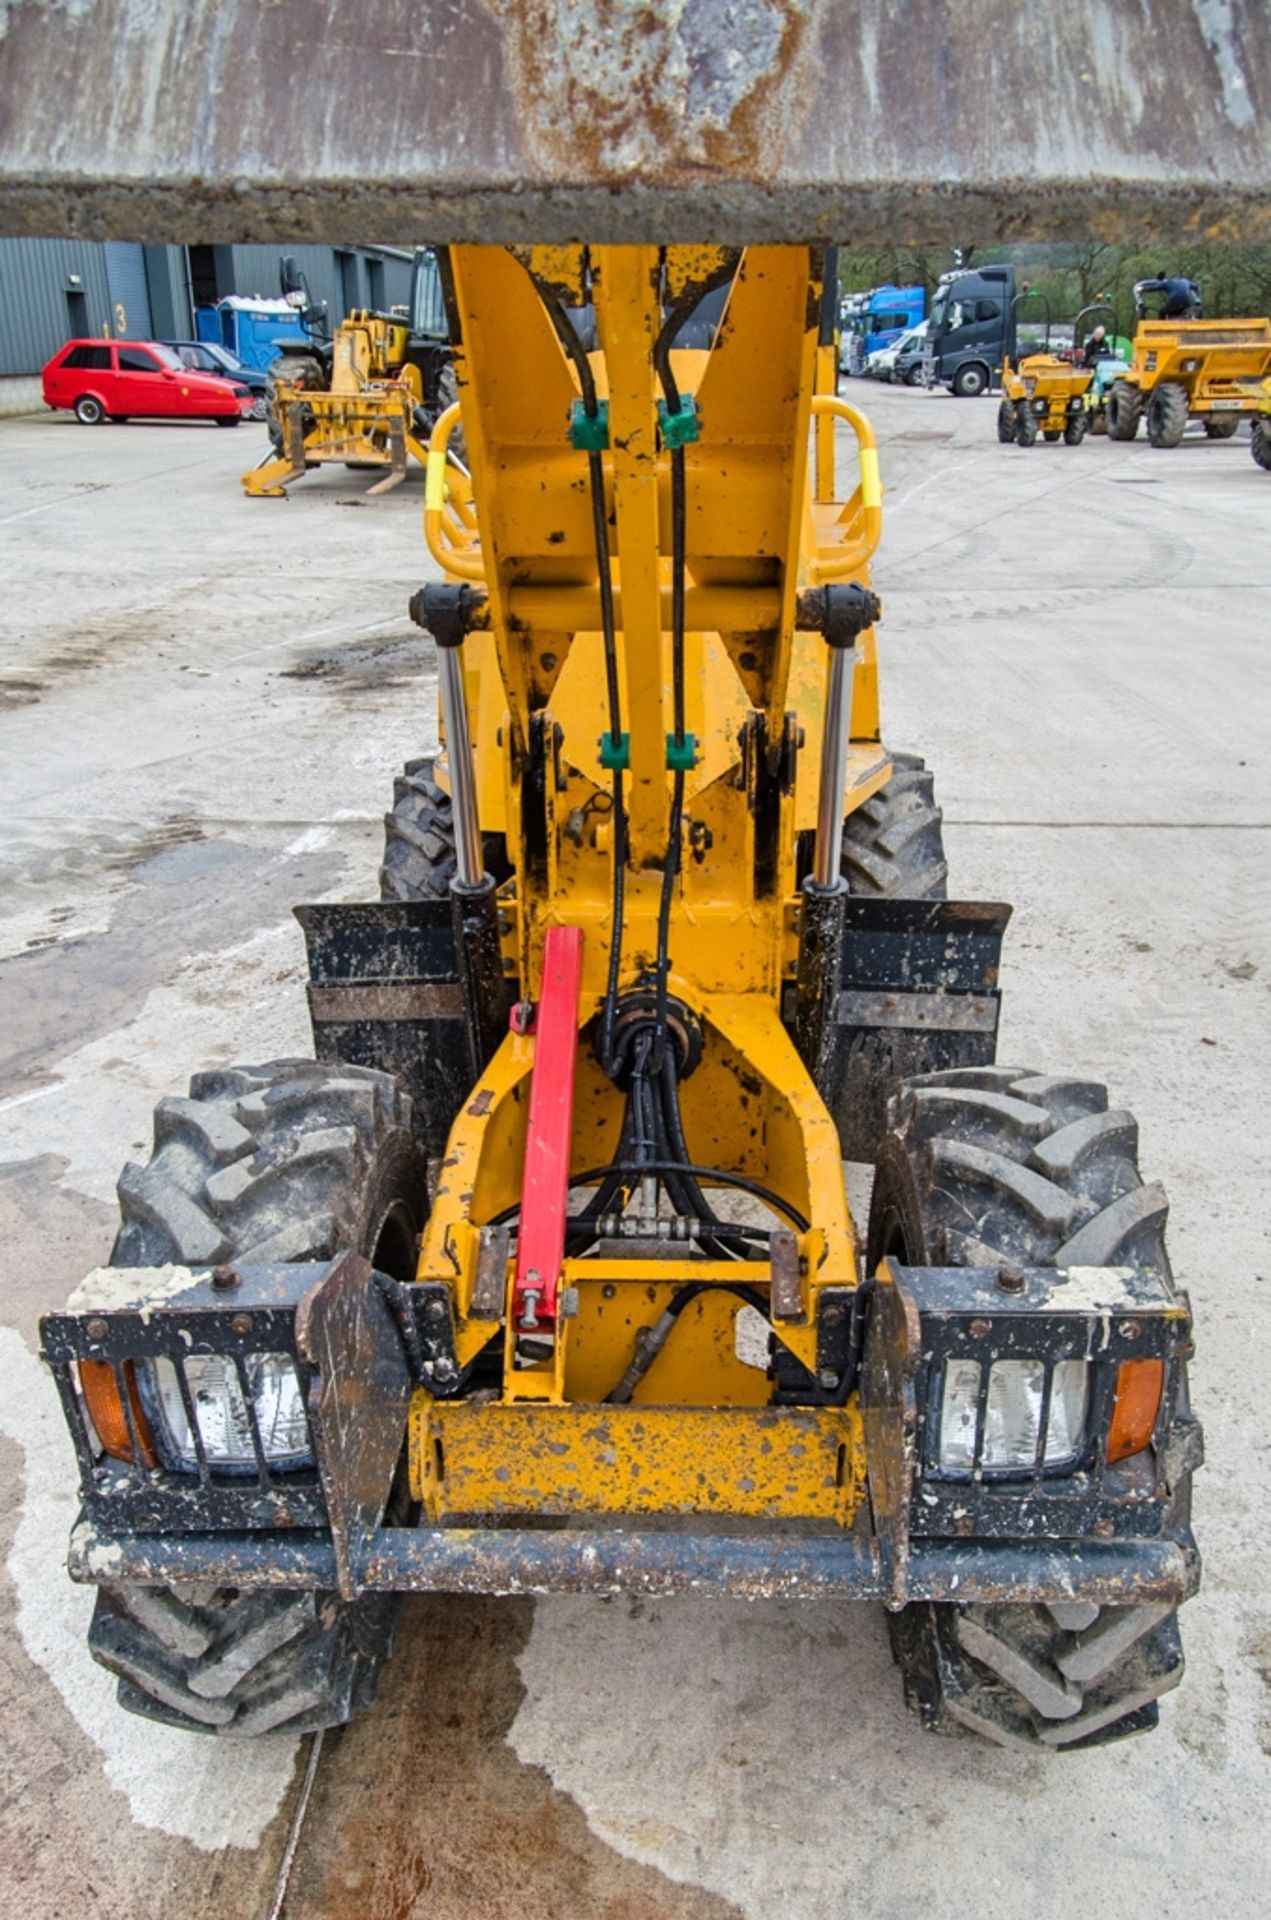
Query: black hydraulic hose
738,1180
633,1170
727,1240
577,355
651,1340
671,864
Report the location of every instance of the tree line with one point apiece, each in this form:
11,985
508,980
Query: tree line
1235,280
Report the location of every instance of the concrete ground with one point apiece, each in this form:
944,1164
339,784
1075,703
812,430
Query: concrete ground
202,703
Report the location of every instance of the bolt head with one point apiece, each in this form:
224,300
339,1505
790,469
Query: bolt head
97,1329
1129,1329
225,1279
1010,1277
827,1379
980,1329
241,1323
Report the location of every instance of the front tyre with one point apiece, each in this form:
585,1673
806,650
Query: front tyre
893,845
1260,444
1166,414
290,1161
986,1163
1222,427
1006,423
1075,429
1026,425
1125,410
971,381
89,410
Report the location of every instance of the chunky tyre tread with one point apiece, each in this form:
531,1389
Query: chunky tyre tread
288,1161
893,845
419,840
1167,410
1033,1166
1125,410
1260,443
981,1164
1004,1673
272,1663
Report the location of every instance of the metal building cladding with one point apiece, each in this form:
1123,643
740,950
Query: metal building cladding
52,291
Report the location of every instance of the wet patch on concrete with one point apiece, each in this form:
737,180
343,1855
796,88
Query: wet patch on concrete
368,665
190,895
17,692
423,1809
60,1233
133,1819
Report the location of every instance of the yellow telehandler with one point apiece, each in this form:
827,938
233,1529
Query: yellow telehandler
366,398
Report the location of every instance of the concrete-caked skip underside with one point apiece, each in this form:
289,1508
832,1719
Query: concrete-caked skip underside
640,120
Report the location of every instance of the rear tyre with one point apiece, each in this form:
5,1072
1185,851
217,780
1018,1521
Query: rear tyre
1052,434
1166,414
1075,429
893,845
1006,423
1026,425
1260,444
228,420
1221,429
971,380
419,839
289,1161
1125,410
89,410
914,376
980,1164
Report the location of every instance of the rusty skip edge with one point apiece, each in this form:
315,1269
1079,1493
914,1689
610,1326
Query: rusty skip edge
612,1561
341,211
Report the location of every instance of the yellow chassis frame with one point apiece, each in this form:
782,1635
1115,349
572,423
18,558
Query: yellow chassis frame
762,524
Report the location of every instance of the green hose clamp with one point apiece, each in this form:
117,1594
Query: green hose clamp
681,428
681,757
589,432
616,755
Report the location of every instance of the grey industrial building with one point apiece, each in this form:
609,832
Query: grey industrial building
52,291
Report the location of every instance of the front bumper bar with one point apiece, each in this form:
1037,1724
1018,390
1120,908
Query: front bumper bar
614,1560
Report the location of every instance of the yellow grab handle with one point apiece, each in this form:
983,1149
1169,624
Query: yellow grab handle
463,565
869,491
434,482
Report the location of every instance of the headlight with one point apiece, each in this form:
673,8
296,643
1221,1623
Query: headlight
273,1403
1012,1410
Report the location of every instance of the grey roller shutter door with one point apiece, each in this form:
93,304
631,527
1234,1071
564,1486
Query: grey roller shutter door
129,293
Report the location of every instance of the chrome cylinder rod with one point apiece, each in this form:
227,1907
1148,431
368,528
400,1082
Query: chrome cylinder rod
835,741
469,863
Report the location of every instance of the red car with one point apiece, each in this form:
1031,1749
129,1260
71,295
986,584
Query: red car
115,379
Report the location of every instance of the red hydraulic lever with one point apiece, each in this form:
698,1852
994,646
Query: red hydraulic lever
545,1188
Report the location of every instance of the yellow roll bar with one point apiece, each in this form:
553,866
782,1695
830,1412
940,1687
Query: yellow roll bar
863,513
465,564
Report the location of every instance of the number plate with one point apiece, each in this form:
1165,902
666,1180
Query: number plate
1226,406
